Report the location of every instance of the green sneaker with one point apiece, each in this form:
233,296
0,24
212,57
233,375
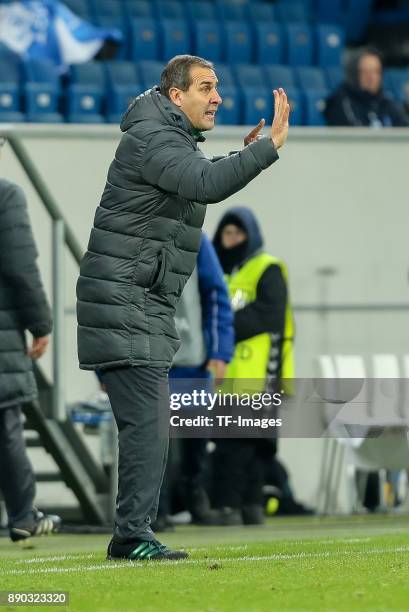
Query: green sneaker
143,550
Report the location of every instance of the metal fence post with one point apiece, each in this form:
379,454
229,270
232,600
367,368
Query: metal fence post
58,269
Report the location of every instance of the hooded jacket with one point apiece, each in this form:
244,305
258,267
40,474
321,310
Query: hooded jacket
23,303
352,106
267,312
147,231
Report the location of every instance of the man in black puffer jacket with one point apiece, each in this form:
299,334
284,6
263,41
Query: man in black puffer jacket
141,252
23,306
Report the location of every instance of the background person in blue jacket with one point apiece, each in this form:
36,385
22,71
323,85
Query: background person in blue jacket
204,321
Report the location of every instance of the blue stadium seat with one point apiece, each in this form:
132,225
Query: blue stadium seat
293,12
88,118
396,82
328,11
138,9
314,105
45,118
200,10
229,112
299,44
115,23
10,73
123,86
232,10
107,8
310,78
280,76
150,73
86,92
256,96
144,39
356,18
11,117
42,87
238,42
295,101
207,40
335,76
225,76
261,12
170,9
269,40
329,45
249,76
175,38
81,8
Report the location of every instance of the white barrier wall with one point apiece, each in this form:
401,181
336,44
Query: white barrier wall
334,207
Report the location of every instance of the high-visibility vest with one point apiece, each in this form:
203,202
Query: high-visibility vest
251,357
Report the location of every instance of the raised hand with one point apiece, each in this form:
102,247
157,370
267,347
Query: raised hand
279,127
255,133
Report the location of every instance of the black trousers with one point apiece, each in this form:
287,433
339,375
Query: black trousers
139,398
17,481
238,472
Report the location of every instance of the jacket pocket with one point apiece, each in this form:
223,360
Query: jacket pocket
159,272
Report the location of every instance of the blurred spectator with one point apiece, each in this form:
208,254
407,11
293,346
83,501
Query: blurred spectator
360,100
263,327
205,324
23,306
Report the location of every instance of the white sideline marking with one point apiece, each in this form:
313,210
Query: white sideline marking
55,558
275,557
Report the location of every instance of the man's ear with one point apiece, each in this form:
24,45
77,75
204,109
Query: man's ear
175,95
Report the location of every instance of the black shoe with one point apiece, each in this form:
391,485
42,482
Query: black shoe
252,515
142,550
289,507
162,523
42,524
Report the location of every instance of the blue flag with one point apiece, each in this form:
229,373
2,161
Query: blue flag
48,29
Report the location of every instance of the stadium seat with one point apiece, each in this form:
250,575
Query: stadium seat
261,12
150,73
81,8
397,82
314,105
107,8
201,10
294,99
256,96
229,112
299,44
89,118
45,118
328,11
207,40
335,76
86,92
329,43
10,73
280,76
175,38
356,18
293,12
41,88
115,23
144,39
310,78
231,10
170,9
138,9
249,76
238,43
11,117
269,43
123,86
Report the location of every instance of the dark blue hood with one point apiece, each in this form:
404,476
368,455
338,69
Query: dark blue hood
243,217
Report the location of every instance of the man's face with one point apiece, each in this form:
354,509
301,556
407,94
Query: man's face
201,101
232,236
370,73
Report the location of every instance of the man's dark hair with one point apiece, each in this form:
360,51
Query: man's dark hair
177,72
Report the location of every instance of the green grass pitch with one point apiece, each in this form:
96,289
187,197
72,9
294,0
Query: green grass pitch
357,563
